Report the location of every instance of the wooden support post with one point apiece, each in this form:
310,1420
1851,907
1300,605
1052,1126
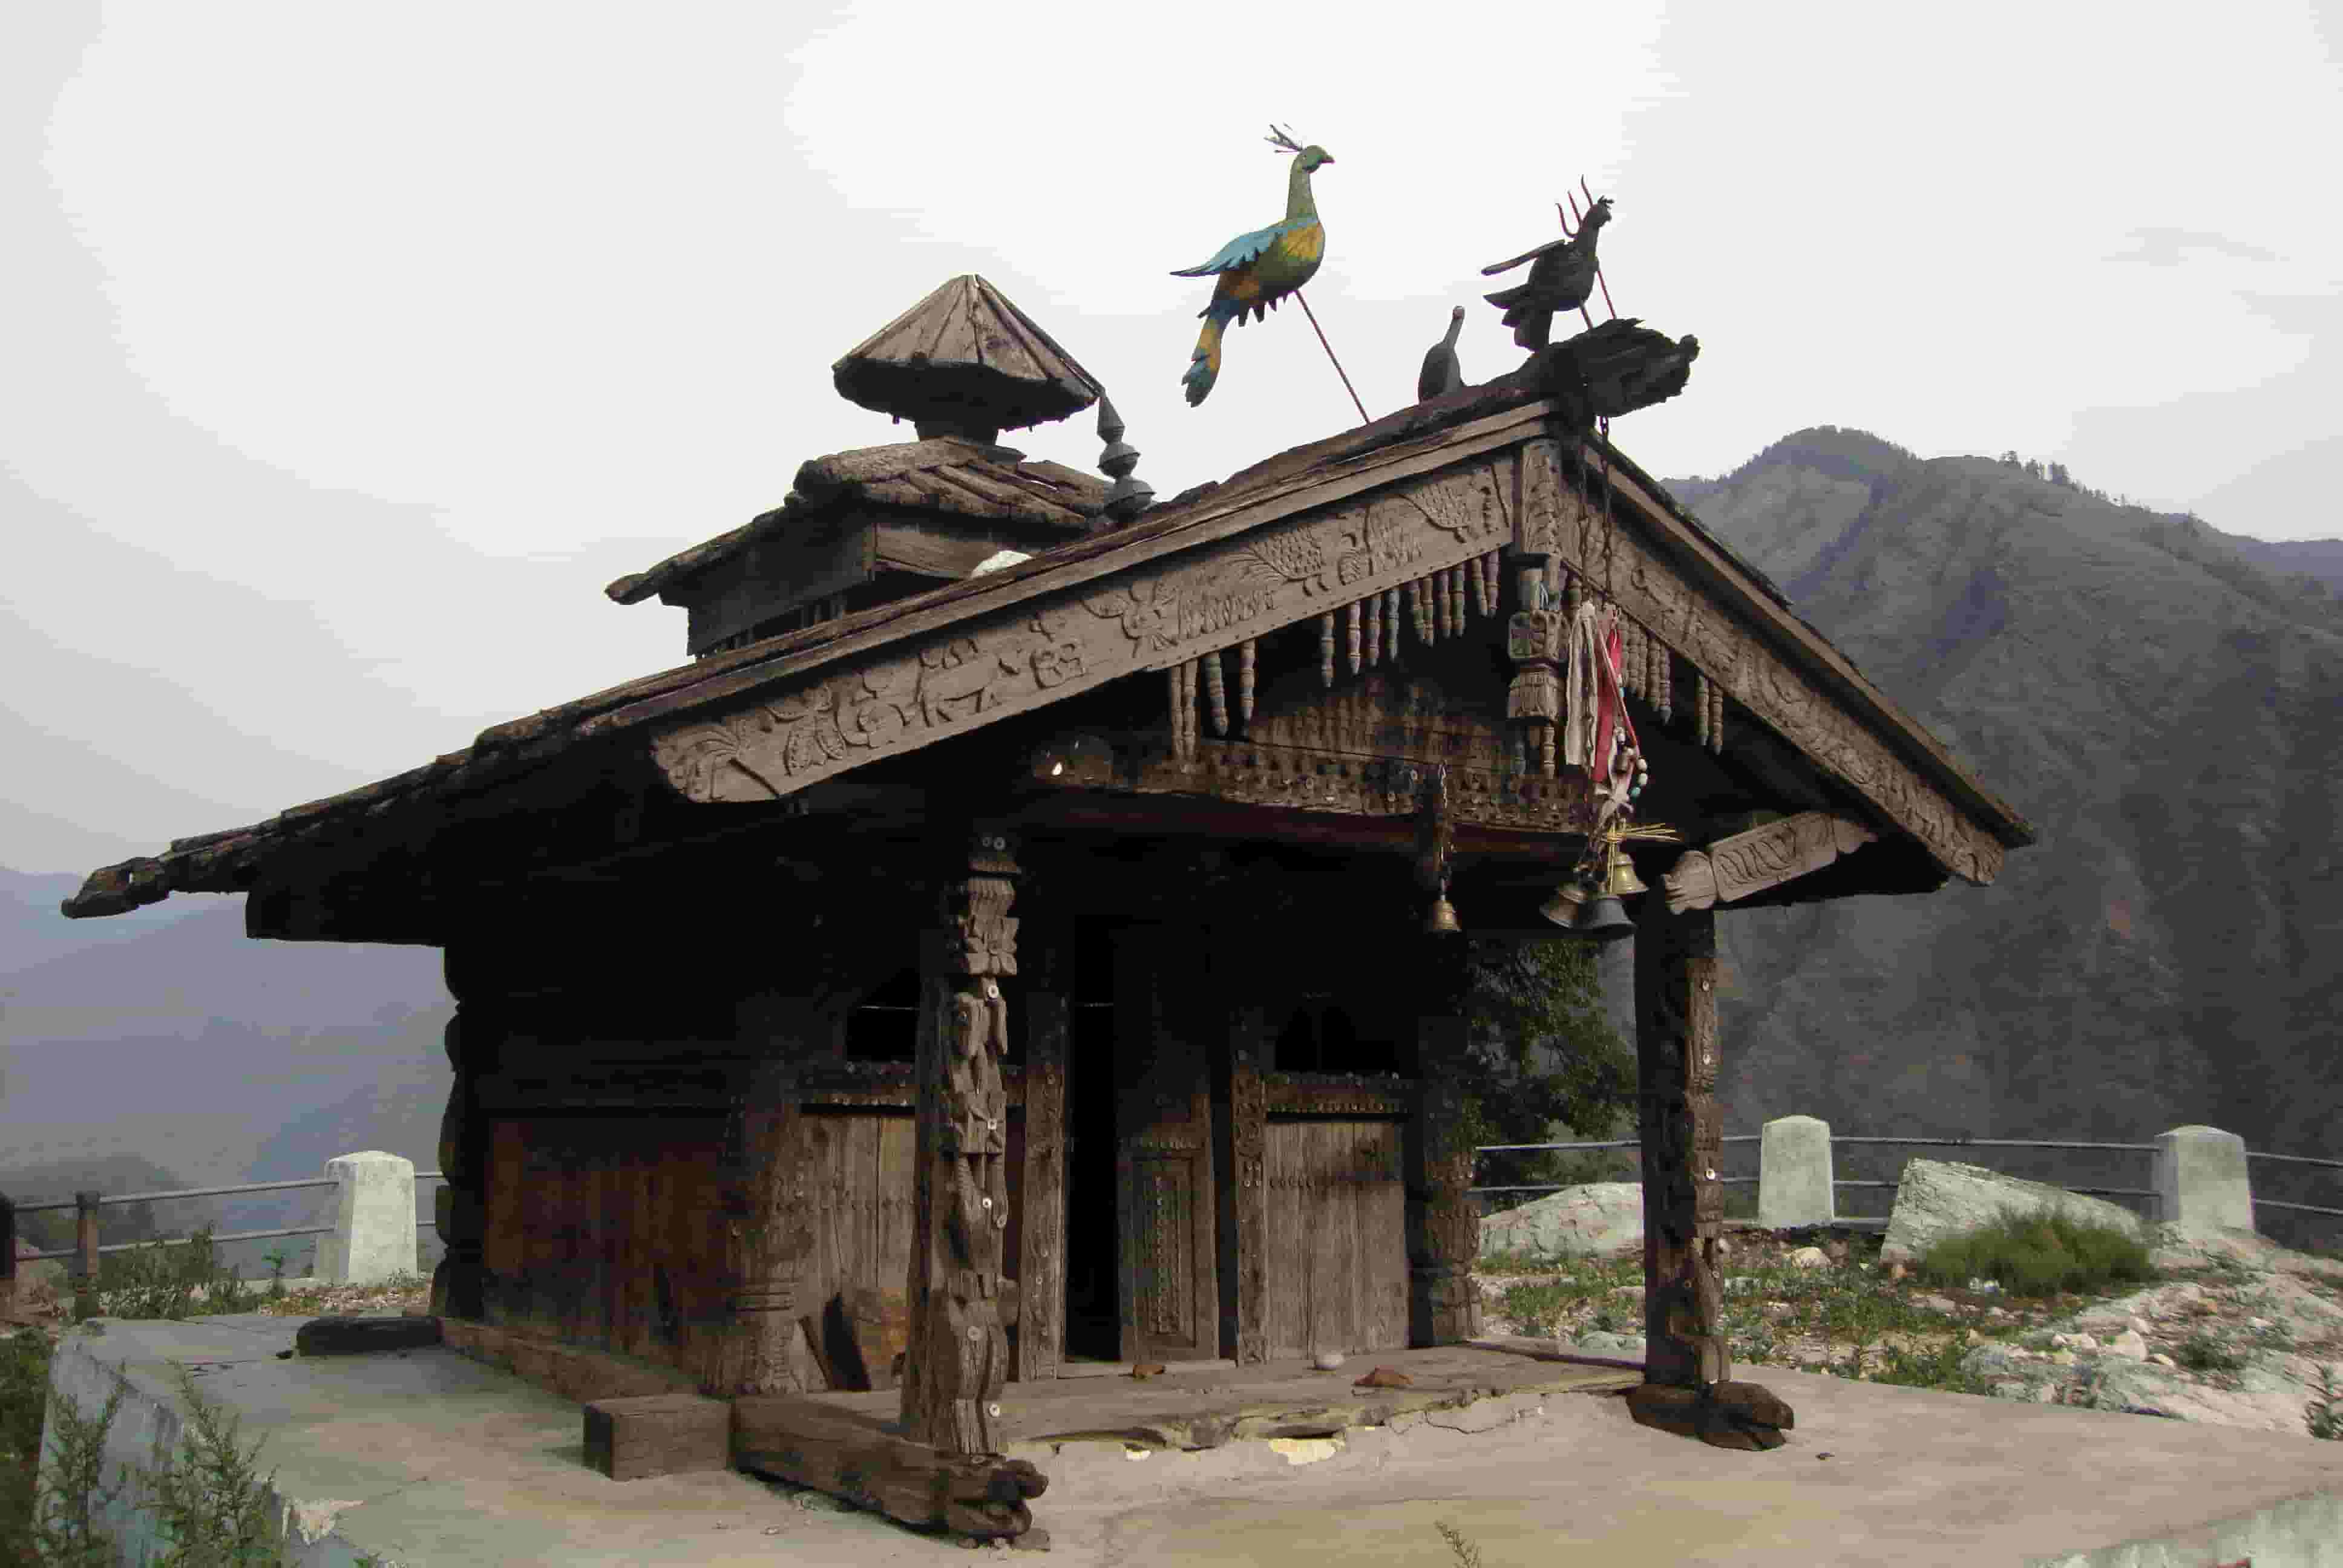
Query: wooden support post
85,1257
458,1208
1041,1229
957,1356
760,1347
1250,1041
1686,1372
1444,1233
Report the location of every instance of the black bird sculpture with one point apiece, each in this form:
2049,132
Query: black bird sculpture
1561,277
1441,373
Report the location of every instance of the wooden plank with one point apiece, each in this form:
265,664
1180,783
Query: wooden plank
1383,1247
810,1445
774,576
657,1435
570,1371
937,551
1041,1210
346,1334
1334,1236
1289,1287
915,691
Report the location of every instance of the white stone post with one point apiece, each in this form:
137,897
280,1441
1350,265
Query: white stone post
2201,1184
374,1223
1794,1174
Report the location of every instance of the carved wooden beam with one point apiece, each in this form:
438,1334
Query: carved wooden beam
1309,779
1164,614
1761,858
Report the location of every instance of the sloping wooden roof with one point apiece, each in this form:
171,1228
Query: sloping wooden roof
965,353
947,473
1415,439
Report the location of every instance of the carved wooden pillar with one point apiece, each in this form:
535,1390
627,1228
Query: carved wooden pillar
1041,1192
1534,633
1444,1233
460,1207
768,1230
1687,1371
958,1355
1675,1042
1250,1043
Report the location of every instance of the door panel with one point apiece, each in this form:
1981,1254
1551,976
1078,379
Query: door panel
1163,1147
1337,1237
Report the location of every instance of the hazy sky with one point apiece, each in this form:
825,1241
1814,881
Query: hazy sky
349,350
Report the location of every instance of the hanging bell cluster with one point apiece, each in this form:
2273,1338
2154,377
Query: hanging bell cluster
1594,913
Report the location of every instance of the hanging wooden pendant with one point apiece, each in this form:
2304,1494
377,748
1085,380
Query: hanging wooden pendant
1485,584
1325,655
1216,693
1182,679
1455,600
1716,717
1546,749
1374,630
1355,636
1700,708
1667,686
1414,592
1244,667
1391,621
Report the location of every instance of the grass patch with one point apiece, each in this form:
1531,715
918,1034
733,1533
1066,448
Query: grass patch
207,1500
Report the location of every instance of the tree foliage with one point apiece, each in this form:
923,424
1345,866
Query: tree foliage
1543,1056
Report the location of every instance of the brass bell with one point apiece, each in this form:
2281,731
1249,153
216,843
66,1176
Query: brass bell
1442,922
1605,921
1619,878
1563,909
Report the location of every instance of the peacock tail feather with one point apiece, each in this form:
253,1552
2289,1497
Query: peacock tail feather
1205,365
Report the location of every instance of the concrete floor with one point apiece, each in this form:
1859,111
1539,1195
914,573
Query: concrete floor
427,1459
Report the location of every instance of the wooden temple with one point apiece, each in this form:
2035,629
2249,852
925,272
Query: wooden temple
1060,944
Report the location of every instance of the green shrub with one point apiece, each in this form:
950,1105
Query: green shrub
2042,1254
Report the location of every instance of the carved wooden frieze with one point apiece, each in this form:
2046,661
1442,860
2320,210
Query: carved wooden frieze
1247,772
1761,858
1732,656
1160,615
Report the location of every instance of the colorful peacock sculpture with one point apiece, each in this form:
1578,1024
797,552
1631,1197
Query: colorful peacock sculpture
1257,270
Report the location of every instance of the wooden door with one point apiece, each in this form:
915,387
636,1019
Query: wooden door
1337,1276
1163,1147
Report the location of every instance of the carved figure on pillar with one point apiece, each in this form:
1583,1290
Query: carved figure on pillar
958,1352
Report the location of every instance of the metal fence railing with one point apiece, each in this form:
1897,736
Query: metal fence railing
1837,1139
87,1248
